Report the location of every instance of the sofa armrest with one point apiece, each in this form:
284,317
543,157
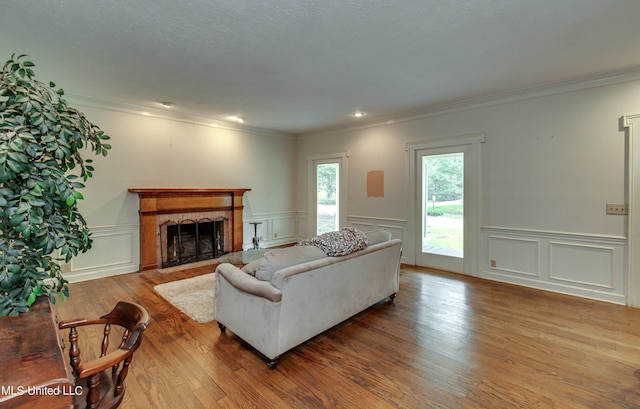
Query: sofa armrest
247,283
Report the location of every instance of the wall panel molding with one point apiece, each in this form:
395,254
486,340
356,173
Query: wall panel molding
517,255
582,264
276,229
115,250
589,266
397,227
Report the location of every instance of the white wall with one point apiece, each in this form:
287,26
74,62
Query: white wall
551,160
150,151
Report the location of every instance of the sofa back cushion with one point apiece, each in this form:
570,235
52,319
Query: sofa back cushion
278,259
378,236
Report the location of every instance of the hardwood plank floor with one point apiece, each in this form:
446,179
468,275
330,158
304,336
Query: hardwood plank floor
447,341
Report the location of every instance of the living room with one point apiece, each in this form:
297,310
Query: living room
547,174
551,157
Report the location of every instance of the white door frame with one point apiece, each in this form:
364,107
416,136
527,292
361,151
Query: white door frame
472,205
434,259
312,191
632,123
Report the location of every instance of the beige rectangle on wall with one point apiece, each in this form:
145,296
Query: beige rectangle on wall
375,183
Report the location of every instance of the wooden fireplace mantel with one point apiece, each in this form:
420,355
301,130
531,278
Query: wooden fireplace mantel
155,201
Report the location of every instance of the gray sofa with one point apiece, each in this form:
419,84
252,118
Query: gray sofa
296,293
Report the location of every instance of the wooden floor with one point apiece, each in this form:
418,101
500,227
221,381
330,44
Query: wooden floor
447,341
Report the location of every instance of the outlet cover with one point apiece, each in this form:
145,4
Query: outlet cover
617,208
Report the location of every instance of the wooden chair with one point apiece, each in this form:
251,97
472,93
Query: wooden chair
102,379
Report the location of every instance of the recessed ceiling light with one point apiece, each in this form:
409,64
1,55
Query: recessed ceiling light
236,118
358,114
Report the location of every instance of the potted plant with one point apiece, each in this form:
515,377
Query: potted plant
41,172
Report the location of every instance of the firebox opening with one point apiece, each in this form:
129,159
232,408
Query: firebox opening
192,240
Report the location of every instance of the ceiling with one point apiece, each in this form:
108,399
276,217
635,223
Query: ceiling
298,66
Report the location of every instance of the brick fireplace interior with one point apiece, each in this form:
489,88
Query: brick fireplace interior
187,237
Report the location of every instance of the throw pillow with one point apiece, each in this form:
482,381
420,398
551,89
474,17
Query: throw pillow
252,267
338,243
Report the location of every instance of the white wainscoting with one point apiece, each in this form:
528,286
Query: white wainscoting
302,228
275,229
577,264
397,227
115,250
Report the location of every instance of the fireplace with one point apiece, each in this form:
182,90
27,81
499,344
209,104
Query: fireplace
190,240
179,226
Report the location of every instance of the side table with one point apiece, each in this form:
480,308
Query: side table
256,239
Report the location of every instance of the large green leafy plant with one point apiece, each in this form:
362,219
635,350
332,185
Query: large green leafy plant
41,172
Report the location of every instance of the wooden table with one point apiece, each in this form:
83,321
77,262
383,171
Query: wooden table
33,369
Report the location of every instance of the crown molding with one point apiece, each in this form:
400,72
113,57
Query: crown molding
132,109
583,83
522,94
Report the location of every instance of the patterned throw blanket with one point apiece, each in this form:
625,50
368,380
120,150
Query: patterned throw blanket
338,243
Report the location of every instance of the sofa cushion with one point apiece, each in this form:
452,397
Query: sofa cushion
338,243
278,259
252,267
378,236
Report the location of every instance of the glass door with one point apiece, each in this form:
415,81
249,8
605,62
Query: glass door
327,197
326,192
441,205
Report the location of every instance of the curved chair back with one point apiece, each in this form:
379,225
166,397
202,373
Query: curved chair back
102,378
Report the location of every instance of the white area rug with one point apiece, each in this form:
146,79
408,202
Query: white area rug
193,296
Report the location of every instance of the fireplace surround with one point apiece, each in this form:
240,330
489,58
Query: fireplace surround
171,206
